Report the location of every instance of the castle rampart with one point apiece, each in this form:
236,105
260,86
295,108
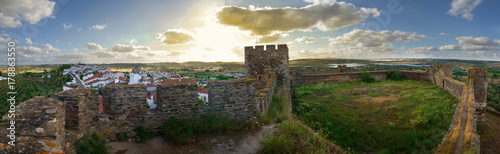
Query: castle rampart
67,116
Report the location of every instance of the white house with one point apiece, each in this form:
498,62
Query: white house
203,94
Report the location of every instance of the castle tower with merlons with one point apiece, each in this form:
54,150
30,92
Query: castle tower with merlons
263,61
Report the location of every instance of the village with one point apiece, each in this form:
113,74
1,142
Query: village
92,76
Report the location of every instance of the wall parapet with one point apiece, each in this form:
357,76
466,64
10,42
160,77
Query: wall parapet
236,98
39,127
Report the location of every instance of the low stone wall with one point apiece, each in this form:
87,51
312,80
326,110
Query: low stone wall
124,107
298,78
236,98
39,127
453,86
415,75
265,95
178,100
82,107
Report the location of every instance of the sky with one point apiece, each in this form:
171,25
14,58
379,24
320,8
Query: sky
131,31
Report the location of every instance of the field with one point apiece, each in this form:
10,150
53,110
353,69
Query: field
386,116
30,84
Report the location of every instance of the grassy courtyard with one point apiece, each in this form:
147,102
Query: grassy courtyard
386,116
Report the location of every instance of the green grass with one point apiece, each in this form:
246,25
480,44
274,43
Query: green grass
277,110
387,116
36,71
493,96
294,137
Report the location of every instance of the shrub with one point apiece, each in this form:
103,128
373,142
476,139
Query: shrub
201,103
366,77
122,136
180,130
295,137
92,144
143,135
395,75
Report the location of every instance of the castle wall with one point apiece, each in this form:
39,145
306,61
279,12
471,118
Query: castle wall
261,63
334,77
124,107
236,98
446,70
415,75
478,79
265,95
178,100
82,107
39,127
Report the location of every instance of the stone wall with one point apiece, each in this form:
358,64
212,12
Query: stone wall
124,107
415,75
298,78
178,100
265,95
260,63
236,98
82,108
39,127
478,79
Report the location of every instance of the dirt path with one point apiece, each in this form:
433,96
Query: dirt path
489,132
248,142
463,123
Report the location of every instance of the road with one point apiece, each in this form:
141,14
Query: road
78,81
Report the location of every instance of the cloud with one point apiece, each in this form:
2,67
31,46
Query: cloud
175,37
43,49
104,54
133,41
464,8
6,40
79,29
128,48
98,27
13,12
369,38
306,39
484,41
74,50
324,16
465,47
268,38
28,41
67,25
441,34
94,46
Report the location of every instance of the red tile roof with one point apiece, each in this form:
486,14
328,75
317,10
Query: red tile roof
69,86
155,96
202,90
97,75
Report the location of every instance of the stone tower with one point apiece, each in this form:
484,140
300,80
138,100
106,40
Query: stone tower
262,63
478,79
